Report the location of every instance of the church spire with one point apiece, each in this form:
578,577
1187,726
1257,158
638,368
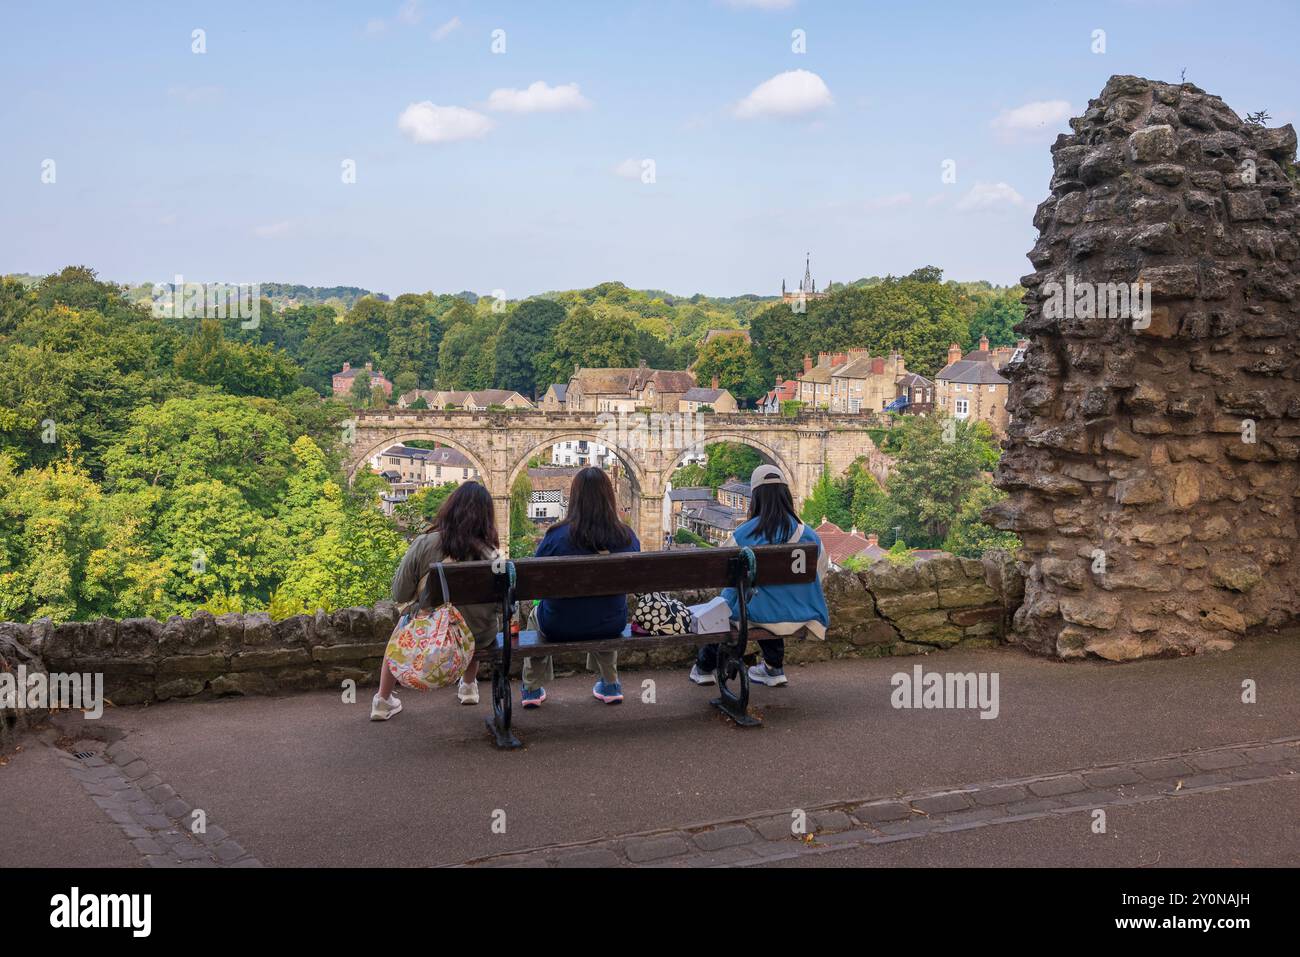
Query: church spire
807,285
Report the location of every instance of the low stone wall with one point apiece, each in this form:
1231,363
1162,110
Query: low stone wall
886,610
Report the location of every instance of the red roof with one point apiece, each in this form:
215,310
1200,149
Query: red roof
841,545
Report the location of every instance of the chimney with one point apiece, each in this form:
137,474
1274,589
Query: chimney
872,540
822,358
954,353
370,366
853,530
714,386
347,367
807,363
838,359
900,364
984,343
878,366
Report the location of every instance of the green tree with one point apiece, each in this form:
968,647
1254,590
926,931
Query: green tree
524,339
968,535
589,338
826,501
940,464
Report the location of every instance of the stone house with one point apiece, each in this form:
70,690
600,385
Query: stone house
626,390
970,386
553,399
719,400
342,381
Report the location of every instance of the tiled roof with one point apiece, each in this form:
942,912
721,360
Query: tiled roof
737,487
715,515
912,380
841,545
691,493
613,381
486,397
560,389
859,368
699,394
973,371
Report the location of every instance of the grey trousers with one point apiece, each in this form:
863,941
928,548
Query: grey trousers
534,676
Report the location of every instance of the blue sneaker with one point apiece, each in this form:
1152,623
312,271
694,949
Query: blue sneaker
532,699
609,693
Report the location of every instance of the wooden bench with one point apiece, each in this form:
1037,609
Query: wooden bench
526,579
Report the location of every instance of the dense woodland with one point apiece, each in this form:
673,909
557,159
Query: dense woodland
152,466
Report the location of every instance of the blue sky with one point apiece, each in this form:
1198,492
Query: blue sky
227,165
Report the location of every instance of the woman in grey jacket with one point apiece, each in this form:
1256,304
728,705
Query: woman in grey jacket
464,530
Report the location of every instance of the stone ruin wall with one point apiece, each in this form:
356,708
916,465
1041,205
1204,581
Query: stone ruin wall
1130,447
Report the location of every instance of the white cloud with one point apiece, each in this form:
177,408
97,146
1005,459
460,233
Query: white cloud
762,4
935,199
983,196
410,12
628,169
538,98
427,122
445,30
1040,116
271,230
786,94
893,201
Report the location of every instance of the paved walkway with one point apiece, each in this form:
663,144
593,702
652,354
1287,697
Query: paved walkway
306,780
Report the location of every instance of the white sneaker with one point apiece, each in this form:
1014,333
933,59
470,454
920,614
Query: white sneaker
467,693
382,710
765,676
703,677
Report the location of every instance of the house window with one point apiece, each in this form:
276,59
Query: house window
992,387
963,408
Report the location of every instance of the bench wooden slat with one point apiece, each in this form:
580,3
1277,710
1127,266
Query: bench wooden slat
531,643
585,576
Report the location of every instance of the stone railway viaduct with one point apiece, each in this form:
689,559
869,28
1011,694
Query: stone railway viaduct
499,444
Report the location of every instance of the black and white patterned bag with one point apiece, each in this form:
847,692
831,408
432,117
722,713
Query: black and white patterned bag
654,613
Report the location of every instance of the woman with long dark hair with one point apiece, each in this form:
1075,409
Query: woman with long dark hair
590,527
464,530
776,612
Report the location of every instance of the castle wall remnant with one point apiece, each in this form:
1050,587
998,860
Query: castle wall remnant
1151,458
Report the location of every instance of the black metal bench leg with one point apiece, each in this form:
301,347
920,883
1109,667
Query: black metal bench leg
499,723
734,704
731,665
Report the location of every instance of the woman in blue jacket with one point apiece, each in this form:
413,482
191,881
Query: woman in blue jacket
776,612
590,527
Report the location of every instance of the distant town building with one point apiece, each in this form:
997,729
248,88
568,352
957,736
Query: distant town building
713,398
735,494
423,467
915,395
807,287
841,545
626,390
582,452
786,390
553,399
971,386
479,400
342,381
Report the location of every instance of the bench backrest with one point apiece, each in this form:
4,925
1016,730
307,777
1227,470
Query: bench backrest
584,576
